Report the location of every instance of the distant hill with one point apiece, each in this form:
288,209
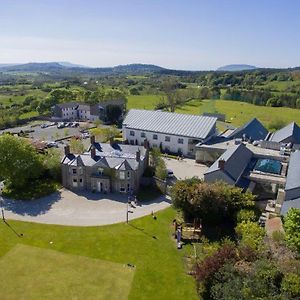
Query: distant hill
234,68
33,67
70,65
69,68
7,65
142,68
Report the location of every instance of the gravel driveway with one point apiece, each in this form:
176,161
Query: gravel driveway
86,209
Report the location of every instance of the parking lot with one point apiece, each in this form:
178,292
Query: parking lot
186,168
49,132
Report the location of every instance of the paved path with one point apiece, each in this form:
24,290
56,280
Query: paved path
88,209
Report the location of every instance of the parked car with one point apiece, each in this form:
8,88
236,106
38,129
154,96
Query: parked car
52,145
85,135
44,125
170,173
60,125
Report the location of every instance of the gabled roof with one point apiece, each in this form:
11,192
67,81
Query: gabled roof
254,129
291,131
122,157
83,106
124,166
170,123
236,160
293,175
68,104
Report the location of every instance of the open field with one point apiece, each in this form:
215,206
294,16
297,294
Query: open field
239,112
236,112
280,86
56,275
142,101
145,243
17,94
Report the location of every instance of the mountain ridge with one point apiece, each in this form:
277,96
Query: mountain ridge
236,68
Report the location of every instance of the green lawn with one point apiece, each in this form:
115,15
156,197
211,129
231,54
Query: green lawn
37,273
143,101
239,112
146,243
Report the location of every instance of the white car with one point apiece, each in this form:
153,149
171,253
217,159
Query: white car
85,135
170,173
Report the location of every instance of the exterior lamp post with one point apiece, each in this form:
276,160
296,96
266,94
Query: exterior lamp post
2,201
2,208
127,210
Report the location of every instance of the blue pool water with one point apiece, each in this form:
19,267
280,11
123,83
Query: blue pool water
268,166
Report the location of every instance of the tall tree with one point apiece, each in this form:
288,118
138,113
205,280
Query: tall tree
19,161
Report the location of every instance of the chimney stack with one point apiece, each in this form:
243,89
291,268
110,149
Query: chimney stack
67,150
92,139
138,155
93,152
221,164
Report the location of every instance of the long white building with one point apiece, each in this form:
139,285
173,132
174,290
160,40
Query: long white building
172,132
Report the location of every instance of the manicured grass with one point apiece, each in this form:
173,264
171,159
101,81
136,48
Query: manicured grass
36,273
143,101
145,243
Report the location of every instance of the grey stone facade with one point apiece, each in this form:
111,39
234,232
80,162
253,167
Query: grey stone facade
105,168
76,111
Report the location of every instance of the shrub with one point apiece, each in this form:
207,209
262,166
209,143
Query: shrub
245,215
290,286
250,234
211,264
211,202
292,228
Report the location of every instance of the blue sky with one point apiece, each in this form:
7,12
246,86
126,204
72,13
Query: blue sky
188,34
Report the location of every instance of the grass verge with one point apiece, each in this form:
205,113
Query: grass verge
146,243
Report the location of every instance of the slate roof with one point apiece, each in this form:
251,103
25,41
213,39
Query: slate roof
286,205
253,129
68,104
293,175
121,157
83,106
170,123
236,160
290,131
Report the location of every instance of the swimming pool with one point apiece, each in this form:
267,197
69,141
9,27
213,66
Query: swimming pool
267,165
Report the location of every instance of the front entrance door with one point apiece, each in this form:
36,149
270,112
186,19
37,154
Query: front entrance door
99,186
